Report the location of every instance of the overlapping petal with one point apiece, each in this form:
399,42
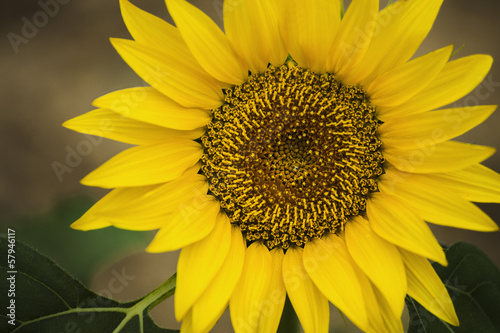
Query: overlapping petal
441,157
425,286
400,29
274,301
367,249
150,106
435,204
144,207
430,128
148,29
330,266
212,303
388,321
309,303
199,263
193,221
249,298
398,85
146,165
110,125
308,29
252,28
207,43
353,37
476,183
458,78
394,222
171,74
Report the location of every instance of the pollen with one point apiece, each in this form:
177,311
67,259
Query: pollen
292,154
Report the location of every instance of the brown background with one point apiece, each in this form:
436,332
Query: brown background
69,62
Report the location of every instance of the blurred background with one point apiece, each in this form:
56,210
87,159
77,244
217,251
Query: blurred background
52,71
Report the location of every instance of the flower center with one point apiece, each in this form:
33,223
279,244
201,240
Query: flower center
292,154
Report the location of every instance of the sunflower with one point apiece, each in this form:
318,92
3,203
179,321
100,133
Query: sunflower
299,153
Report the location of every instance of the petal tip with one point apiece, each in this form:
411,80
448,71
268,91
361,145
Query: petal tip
153,247
93,181
78,225
85,223
68,124
441,259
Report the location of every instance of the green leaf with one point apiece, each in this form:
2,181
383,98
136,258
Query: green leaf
289,322
473,282
84,252
47,299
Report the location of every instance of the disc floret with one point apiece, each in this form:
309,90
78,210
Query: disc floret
292,154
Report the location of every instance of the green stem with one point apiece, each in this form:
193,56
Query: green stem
169,291
165,290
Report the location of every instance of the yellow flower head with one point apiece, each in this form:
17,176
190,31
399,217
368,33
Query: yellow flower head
301,152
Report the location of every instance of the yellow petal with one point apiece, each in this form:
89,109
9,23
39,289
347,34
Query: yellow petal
274,301
378,321
330,266
174,76
400,29
415,23
308,302
110,125
207,43
187,323
90,222
149,207
278,51
159,201
397,224
426,288
430,128
252,28
390,322
353,37
309,29
150,106
457,79
115,208
198,263
436,204
193,222
212,303
379,260
476,183
442,157
246,303
91,219
403,82
146,165
148,29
